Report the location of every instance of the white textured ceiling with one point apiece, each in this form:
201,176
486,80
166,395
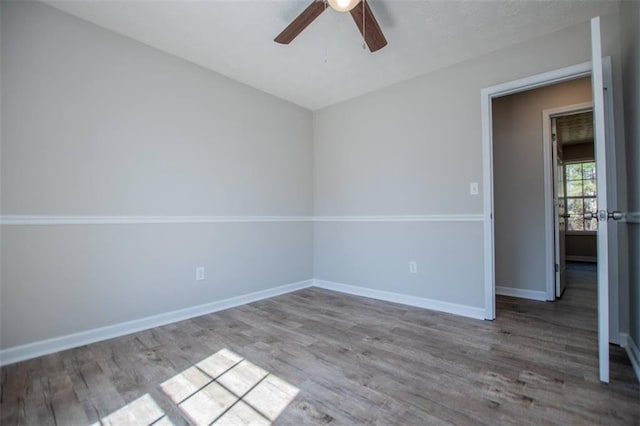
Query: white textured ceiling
326,64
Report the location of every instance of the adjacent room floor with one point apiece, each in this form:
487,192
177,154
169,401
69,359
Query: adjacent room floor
319,357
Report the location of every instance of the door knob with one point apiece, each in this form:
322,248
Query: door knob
603,215
615,215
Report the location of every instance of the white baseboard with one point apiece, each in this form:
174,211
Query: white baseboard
56,344
632,352
521,293
436,305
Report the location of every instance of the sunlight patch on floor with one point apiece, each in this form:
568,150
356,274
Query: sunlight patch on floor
226,389
271,396
207,404
223,389
242,414
219,362
143,410
185,384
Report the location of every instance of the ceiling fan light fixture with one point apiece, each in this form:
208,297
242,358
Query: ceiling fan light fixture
343,5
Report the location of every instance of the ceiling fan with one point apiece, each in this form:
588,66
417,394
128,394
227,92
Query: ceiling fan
360,11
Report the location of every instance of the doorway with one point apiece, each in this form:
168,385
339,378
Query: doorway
570,190
523,185
600,71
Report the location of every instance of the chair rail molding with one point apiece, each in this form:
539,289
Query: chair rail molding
24,220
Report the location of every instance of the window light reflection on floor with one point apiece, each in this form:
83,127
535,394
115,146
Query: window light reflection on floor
223,389
227,389
143,410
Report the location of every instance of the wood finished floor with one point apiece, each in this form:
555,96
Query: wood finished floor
351,360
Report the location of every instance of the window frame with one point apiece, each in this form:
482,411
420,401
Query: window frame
579,197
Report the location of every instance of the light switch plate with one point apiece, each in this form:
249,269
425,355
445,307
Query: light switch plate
473,188
200,273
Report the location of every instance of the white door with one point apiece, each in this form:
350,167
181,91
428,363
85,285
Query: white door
560,212
603,214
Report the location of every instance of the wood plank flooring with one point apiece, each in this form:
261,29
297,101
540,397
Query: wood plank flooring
320,357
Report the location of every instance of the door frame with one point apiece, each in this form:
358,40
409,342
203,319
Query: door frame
521,85
549,188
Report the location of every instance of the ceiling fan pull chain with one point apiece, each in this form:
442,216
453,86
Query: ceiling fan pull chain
324,39
364,28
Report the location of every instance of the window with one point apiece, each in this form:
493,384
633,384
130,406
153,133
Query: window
580,190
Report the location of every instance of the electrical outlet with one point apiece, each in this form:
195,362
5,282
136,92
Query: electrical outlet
200,273
413,267
473,188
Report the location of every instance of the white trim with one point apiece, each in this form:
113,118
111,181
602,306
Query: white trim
12,219
551,179
633,217
632,352
612,195
486,95
600,145
522,293
56,344
403,218
421,302
540,80
550,217
487,182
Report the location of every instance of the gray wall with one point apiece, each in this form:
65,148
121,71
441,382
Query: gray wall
630,32
413,149
97,124
518,167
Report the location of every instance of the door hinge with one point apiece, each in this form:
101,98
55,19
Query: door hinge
557,267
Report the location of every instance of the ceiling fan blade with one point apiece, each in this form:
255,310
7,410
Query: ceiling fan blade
371,31
301,22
